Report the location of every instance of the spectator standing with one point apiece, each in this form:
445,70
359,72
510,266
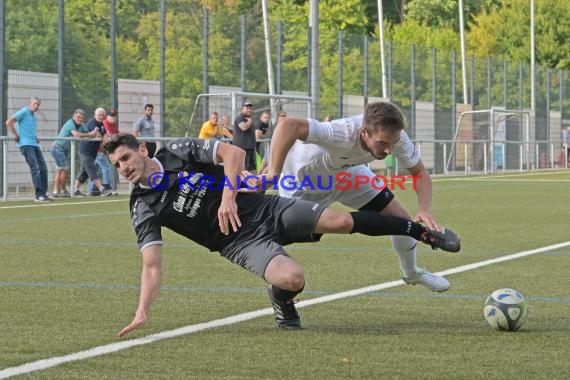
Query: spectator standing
88,154
144,127
244,136
110,124
61,150
111,129
212,130
227,129
28,143
566,142
261,127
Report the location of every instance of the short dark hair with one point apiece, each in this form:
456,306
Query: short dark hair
122,139
148,105
383,115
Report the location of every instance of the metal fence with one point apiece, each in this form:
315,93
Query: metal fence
125,53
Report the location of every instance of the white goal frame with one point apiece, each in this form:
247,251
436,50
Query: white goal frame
462,149
230,102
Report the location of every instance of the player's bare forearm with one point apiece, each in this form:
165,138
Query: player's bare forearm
234,160
288,131
424,193
151,278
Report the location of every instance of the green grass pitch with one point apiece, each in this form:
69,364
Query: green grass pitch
70,270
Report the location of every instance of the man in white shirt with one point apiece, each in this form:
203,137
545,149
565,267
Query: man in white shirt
329,155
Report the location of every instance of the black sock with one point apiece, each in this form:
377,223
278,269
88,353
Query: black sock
373,224
284,295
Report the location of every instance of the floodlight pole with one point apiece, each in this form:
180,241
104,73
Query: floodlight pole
382,54
463,63
315,59
269,62
532,58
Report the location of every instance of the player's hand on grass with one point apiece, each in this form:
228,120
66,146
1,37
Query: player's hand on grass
427,220
138,321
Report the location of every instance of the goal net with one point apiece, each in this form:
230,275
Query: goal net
488,141
228,104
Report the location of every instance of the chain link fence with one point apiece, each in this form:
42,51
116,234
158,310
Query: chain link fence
125,53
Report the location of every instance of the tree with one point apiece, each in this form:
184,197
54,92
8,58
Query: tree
505,32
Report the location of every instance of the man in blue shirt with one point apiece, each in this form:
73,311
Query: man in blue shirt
25,137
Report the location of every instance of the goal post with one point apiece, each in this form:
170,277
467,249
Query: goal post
228,103
488,141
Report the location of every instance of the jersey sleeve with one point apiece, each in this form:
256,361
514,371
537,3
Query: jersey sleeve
406,152
19,115
146,225
195,149
341,133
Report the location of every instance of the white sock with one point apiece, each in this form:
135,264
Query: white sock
405,247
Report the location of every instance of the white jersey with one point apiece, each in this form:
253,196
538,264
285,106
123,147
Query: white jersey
334,147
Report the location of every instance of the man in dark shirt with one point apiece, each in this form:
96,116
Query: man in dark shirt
261,127
244,135
184,189
88,155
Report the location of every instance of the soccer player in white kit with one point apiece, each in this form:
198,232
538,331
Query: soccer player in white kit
307,151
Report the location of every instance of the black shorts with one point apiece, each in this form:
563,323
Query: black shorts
278,222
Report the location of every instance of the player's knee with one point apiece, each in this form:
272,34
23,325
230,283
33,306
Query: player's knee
343,222
295,279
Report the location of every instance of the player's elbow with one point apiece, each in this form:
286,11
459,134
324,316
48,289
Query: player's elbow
297,129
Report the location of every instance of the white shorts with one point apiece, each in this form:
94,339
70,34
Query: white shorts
326,189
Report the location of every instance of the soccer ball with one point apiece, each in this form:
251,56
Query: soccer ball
505,309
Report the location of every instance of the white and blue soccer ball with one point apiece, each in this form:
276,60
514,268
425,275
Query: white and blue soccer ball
505,309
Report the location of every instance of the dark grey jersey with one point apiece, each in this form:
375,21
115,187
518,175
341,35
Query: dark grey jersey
188,198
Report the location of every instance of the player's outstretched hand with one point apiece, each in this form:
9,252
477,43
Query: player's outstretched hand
138,321
428,221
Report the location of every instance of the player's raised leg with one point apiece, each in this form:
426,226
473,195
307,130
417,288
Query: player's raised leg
405,234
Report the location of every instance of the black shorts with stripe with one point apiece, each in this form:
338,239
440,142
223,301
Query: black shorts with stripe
277,222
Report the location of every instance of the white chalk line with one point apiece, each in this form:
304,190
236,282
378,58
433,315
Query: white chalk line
60,203
123,345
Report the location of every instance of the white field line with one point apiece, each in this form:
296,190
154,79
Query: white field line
56,203
501,179
506,176
123,345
